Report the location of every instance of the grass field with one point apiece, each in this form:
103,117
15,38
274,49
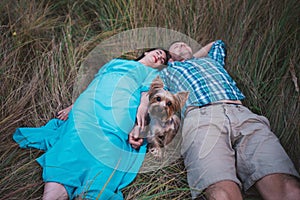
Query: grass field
43,44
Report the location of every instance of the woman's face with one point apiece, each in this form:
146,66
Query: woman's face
155,58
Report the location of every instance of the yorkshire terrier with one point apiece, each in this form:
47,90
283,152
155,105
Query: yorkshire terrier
164,116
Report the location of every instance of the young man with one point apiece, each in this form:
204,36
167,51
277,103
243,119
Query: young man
225,146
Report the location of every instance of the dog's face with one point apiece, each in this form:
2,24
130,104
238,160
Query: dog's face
163,104
164,118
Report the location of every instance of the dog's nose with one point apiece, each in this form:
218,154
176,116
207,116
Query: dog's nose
159,109
163,104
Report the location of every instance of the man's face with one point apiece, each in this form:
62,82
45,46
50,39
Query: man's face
180,51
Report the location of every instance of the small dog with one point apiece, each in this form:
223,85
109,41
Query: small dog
164,116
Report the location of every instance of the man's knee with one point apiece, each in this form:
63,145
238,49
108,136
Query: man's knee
223,190
291,187
279,186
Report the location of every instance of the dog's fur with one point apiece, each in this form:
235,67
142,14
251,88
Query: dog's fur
164,113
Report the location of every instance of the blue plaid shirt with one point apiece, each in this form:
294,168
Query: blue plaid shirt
205,78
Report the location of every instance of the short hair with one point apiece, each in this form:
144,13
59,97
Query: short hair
179,57
176,42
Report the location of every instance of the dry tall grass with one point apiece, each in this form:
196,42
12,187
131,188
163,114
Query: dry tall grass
44,42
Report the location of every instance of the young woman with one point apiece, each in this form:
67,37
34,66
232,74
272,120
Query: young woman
88,155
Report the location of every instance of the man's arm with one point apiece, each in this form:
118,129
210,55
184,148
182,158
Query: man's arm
203,52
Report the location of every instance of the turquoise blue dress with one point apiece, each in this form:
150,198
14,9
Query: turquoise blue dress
89,153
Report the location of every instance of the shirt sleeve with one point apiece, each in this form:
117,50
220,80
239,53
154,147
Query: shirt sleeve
218,52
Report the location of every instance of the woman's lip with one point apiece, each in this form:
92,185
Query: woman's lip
155,59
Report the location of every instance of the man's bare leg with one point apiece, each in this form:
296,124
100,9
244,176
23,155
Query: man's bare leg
54,191
223,190
279,186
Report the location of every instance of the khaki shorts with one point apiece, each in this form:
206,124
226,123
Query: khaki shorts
229,142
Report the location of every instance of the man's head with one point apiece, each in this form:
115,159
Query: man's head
180,51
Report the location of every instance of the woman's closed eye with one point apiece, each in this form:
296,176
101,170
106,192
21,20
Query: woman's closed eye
161,57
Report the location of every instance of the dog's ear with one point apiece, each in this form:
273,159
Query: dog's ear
157,83
182,97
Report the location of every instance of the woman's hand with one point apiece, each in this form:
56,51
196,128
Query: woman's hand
134,139
64,114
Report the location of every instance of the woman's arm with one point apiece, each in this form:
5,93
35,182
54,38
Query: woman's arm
142,112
